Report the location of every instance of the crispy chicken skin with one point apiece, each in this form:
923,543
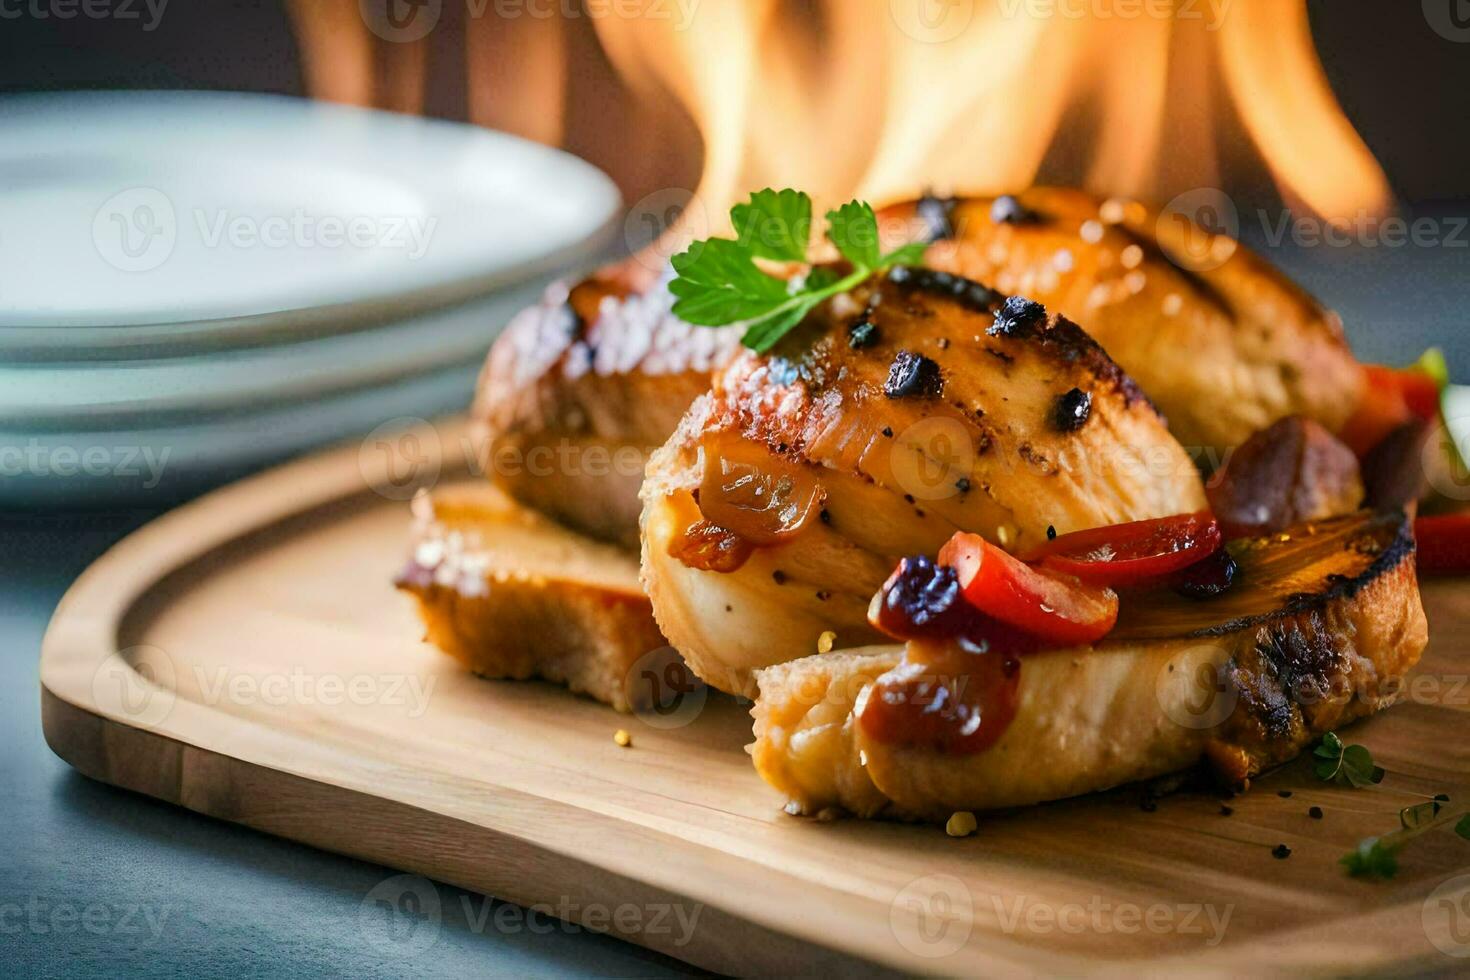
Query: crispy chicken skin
990,438
579,390
1222,342
511,594
1322,631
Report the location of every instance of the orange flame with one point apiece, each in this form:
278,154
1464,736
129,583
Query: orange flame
887,98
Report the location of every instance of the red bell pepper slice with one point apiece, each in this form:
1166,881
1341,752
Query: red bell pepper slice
1444,544
1056,608
1132,554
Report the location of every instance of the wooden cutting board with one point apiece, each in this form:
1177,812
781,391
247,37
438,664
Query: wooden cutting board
245,657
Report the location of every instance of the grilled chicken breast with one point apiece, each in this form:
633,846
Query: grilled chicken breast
1319,631
1221,341
511,594
579,390
918,405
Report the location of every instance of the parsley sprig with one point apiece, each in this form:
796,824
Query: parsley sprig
1348,765
1378,857
719,280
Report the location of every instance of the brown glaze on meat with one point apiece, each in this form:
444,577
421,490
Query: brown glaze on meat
1220,340
1321,632
578,391
972,444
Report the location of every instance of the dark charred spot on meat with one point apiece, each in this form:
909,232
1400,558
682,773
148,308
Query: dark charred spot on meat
962,484
908,498
999,355
943,343
913,376
779,577
1008,210
1018,317
1037,459
863,333
1281,852
937,213
888,432
823,595
973,296
1021,319
1073,410
825,515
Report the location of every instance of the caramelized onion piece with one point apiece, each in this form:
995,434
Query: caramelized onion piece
763,498
710,548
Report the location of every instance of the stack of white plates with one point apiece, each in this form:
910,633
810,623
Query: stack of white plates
194,284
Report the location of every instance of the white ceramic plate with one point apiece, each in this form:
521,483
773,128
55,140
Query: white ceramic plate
129,393
209,219
158,465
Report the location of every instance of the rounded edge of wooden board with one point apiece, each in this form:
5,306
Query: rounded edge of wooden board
407,838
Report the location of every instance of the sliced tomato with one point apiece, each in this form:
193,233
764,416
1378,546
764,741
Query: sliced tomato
1132,554
1383,409
1421,393
1055,608
922,600
1444,544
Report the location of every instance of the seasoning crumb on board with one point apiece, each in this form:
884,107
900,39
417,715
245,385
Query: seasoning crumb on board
961,824
622,737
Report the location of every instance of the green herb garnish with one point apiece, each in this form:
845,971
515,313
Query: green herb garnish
1377,857
719,281
1348,765
1374,857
